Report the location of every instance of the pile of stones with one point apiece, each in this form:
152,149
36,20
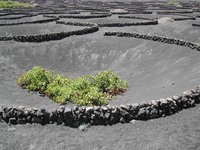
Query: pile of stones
101,115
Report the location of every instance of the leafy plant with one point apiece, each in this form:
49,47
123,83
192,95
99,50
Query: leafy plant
37,79
109,82
13,4
173,3
85,90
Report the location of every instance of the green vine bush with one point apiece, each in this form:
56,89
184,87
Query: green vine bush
13,4
86,90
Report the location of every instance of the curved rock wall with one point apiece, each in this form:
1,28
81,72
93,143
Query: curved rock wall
16,17
196,25
30,22
185,18
76,23
153,22
101,115
173,12
127,24
51,36
85,17
155,38
136,17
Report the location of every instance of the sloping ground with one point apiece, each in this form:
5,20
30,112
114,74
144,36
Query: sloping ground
153,70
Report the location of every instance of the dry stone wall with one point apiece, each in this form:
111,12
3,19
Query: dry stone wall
51,36
17,17
155,38
154,22
30,22
85,17
196,25
136,17
76,23
101,115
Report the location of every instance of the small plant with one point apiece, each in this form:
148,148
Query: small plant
13,4
173,3
86,90
37,79
109,82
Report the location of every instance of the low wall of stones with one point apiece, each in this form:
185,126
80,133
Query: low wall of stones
100,13
154,22
173,12
167,40
58,12
101,115
185,18
136,17
30,22
16,17
141,12
196,25
85,17
76,23
127,24
51,36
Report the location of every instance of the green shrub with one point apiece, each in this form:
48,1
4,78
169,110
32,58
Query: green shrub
13,4
109,82
85,90
37,79
173,3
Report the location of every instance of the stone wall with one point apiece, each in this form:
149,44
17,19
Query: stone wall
154,22
101,115
85,17
30,22
51,36
17,17
184,18
174,12
155,38
136,17
76,23
196,25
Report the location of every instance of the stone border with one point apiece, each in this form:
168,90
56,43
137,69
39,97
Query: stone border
76,23
185,18
30,22
17,17
196,25
51,36
85,17
174,12
155,38
136,17
101,115
153,22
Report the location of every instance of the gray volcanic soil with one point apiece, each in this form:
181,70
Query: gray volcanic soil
153,70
